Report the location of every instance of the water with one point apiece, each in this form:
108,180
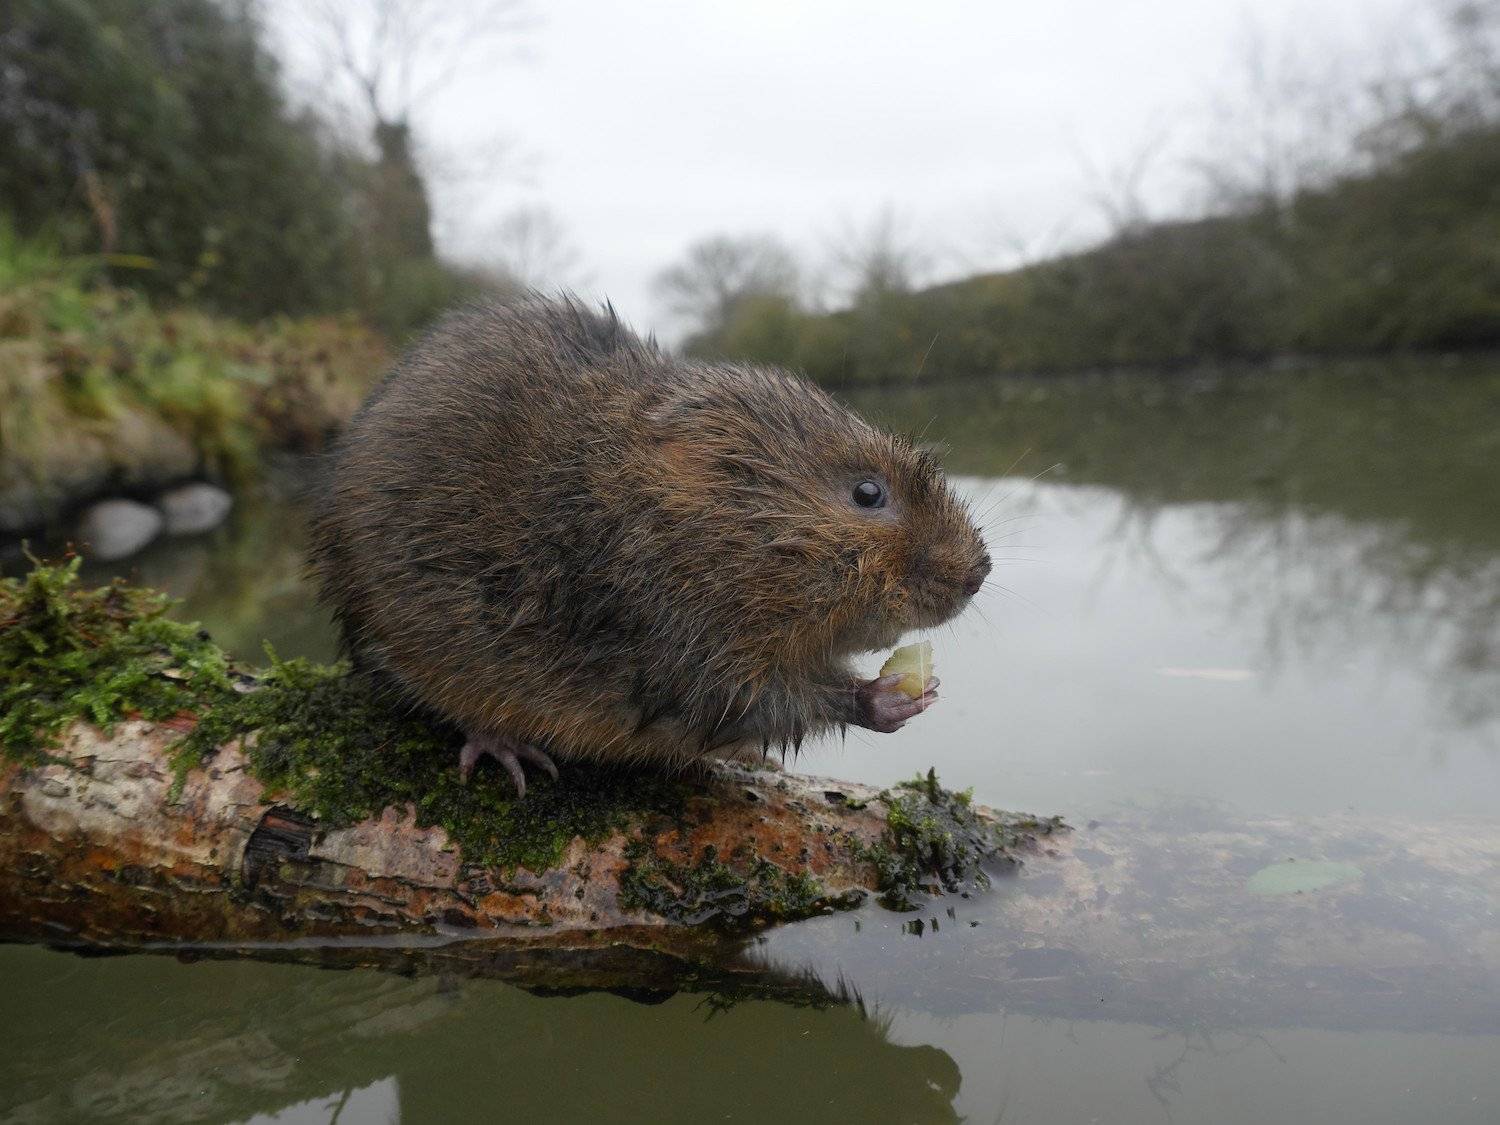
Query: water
1242,621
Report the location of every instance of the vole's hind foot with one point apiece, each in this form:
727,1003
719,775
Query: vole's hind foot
509,752
882,707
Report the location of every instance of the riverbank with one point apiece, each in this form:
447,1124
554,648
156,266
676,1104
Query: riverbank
1392,255
103,394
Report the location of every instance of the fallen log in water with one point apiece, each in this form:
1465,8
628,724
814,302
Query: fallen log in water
96,848
152,793
154,797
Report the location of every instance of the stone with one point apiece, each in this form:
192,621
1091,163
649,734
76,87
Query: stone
194,508
117,529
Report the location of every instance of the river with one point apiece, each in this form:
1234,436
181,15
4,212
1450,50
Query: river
1269,598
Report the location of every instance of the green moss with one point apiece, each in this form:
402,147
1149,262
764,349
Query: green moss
342,751
101,655
749,888
935,841
334,747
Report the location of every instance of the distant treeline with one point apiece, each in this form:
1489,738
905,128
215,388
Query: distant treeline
1397,249
1405,258
156,135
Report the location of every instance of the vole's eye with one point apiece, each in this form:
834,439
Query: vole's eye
869,494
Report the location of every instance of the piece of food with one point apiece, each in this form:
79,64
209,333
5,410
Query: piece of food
914,663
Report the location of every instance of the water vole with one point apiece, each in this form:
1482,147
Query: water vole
570,543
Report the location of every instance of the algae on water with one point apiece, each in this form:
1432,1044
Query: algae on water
1293,877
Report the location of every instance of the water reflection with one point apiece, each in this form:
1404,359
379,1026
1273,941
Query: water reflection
244,580
146,1039
1349,510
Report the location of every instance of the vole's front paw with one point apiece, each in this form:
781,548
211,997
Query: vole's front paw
882,707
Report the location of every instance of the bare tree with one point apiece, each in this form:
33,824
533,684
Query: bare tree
1301,114
531,245
392,56
384,59
1450,82
880,258
1118,186
720,272
1286,123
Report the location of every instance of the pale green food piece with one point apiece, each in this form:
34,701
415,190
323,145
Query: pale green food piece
1294,876
914,662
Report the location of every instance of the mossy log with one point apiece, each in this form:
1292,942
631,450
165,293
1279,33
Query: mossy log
105,845
152,792
154,795
1219,921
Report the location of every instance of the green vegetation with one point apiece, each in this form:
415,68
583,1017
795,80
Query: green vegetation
1401,258
935,841
337,749
1387,241
98,389
156,134
102,655
157,130
165,211
343,752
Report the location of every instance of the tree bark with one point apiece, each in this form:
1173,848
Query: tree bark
96,851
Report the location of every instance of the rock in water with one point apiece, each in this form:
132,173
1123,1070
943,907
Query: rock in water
117,529
194,508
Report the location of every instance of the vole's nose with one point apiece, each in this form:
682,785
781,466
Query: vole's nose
977,576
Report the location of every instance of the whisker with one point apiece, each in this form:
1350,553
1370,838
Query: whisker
1019,597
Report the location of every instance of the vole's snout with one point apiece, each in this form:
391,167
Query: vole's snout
975,580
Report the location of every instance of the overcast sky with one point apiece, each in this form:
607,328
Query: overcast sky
984,126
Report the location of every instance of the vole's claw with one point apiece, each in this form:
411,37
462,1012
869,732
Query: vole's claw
509,752
529,753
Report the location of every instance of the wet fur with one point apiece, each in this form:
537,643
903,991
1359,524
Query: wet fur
540,524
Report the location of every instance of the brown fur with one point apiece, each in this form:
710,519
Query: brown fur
541,526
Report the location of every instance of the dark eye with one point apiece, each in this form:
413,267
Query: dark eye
869,494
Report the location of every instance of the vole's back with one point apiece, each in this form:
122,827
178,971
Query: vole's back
542,526
461,528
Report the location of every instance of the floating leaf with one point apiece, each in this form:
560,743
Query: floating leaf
1294,876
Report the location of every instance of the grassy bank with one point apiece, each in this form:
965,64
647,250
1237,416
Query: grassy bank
102,392
1402,255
